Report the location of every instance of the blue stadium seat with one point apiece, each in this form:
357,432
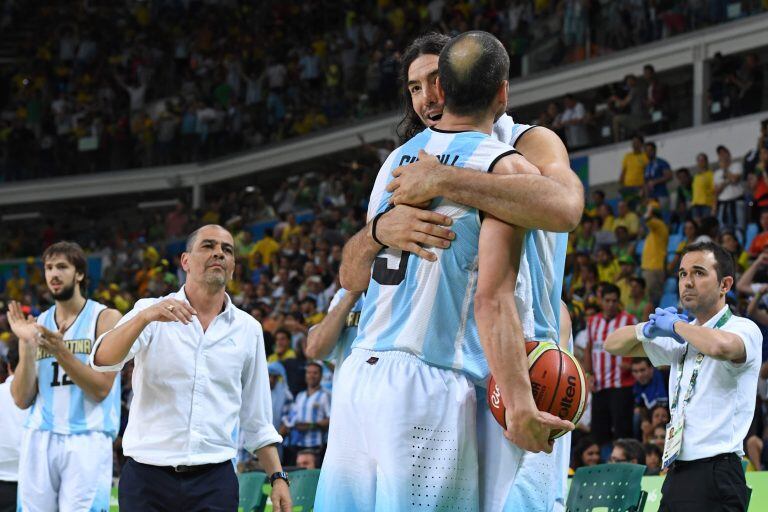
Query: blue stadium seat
614,204
670,285
752,231
639,247
669,300
674,241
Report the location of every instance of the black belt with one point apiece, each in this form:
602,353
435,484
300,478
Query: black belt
721,456
187,469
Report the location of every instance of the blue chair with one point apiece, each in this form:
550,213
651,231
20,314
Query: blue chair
670,285
674,241
639,247
752,231
669,300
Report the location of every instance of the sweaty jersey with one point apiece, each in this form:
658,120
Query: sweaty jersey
423,307
542,264
61,406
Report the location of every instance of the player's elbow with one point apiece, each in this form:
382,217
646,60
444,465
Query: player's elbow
350,281
21,401
313,347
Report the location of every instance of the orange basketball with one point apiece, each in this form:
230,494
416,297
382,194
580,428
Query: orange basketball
557,381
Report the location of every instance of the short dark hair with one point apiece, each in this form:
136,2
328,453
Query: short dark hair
651,144
192,238
610,288
639,136
724,265
632,449
284,331
74,254
645,360
638,280
722,148
428,44
472,67
315,363
13,353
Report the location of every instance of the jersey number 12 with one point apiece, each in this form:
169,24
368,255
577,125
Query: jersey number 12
64,378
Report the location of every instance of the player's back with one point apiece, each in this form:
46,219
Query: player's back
61,406
422,307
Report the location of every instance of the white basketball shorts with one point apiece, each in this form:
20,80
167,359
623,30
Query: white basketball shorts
512,479
68,473
402,438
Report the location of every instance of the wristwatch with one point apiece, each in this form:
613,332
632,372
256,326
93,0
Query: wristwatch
280,475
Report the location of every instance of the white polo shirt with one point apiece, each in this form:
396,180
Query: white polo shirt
11,424
720,411
193,390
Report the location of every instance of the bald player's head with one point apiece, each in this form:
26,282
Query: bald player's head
472,68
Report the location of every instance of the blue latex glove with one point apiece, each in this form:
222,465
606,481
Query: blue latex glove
664,321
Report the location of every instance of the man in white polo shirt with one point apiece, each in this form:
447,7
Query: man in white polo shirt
11,423
714,362
200,378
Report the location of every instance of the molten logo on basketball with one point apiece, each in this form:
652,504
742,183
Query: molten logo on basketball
495,397
567,401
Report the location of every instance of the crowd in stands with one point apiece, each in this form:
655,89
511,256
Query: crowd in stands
106,86
645,103
621,264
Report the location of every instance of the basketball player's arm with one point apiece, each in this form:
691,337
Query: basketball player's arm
621,342
501,335
323,337
551,199
403,227
94,384
24,384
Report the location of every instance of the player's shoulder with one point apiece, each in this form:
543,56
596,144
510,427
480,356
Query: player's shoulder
743,325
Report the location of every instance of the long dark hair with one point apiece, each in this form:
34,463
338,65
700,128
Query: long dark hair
428,44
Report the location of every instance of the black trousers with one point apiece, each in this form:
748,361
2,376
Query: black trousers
145,488
7,496
715,484
612,411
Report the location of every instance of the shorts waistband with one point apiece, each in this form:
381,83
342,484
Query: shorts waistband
392,355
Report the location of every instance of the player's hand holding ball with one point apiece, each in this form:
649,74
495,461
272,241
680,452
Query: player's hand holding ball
169,310
531,429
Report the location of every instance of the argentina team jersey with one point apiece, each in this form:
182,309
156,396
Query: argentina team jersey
542,264
61,406
422,307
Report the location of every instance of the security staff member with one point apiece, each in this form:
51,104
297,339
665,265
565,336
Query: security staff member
714,363
201,374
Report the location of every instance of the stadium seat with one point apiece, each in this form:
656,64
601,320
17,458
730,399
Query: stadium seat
252,497
669,300
639,247
670,285
752,231
303,489
608,487
674,241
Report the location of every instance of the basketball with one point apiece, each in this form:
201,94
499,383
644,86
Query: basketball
557,381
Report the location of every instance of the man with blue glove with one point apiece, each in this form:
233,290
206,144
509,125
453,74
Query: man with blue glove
714,363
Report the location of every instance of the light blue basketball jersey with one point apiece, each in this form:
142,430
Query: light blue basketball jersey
540,280
61,406
423,307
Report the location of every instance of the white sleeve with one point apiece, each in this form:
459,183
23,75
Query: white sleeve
142,341
663,351
752,338
379,195
256,410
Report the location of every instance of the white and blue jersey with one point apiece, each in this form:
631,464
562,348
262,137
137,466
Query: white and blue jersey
421,307
61,406
348,334
309,409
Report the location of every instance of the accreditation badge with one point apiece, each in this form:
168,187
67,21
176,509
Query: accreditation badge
673,442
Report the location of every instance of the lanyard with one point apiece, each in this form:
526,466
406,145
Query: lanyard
697,366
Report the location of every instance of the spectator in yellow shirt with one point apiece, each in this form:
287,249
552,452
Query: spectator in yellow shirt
283,348
628,219
607,267
311,315
626,274
632,179
14,287
266,247
654,252
289,228
703,201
